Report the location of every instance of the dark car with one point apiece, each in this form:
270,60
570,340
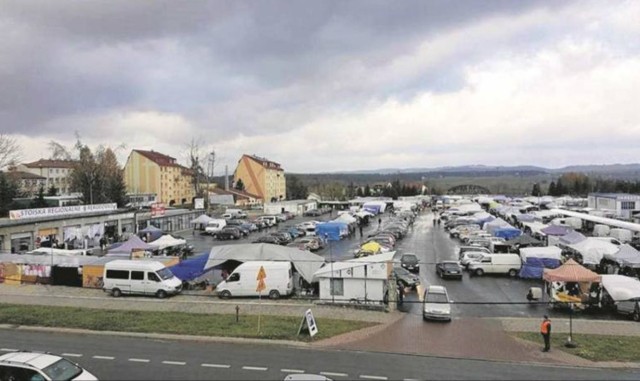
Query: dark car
410,262
285,238
228,232
449,269
312,213
260,224
268,239
406,278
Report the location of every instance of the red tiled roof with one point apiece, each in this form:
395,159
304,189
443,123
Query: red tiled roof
47,163
265,162
159,158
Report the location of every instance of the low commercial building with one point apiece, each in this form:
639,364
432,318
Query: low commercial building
297,207
622,204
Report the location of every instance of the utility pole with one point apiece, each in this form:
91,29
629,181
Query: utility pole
211,167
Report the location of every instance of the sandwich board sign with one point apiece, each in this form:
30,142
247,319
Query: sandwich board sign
308,324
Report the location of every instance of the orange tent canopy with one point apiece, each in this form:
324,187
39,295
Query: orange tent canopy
571,271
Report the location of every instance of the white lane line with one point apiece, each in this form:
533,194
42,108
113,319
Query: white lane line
139,360
104,357
367,377
223,366
332,374
254,368
174,362
72,355
292,371
8,350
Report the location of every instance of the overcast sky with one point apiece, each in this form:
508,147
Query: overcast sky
327,85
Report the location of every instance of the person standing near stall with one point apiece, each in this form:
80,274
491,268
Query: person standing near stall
545,331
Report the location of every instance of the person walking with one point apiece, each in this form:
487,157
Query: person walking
361,231
545,331
379,222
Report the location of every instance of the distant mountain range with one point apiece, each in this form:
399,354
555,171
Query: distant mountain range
480,169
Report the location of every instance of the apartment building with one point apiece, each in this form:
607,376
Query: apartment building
56,172
150,172
261,177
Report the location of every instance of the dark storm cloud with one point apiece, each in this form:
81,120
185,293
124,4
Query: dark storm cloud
230,67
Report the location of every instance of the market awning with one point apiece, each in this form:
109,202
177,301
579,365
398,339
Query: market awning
571,271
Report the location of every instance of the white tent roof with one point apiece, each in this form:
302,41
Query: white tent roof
593,250
167,241
346,218
325,271
202,219
552,252
621,287
305,262
536,227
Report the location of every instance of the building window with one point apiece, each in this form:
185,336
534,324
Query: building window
628,205
337,287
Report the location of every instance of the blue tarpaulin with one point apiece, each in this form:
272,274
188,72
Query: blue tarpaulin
190,269
507,232
375,209
332,230
534,267
154,233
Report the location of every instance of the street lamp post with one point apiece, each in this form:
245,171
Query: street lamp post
331,287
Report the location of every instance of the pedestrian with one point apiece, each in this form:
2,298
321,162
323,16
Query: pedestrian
361,231
400,293
545,331
379,222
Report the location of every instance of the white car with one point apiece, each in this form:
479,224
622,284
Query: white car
436,305
470,256
39,366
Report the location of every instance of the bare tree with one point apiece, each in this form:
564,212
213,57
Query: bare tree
10,151
195,163
58,151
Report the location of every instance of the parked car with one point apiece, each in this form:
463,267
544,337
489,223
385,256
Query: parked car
410,262
215,226
260,224
228,232
406,278
23,365
630,307
267,239
497,264
312,213
284,237
449,269
470,256
308,243
251,227
464,249
436,305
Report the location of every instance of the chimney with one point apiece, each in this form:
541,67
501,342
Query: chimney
226,177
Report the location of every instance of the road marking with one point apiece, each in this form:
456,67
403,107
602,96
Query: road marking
332,374
8,349
367,377
254,368
216,366
104,357
291,371
72,354
139,360
174,362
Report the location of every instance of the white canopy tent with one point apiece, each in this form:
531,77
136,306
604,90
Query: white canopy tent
202,219
621,287
593,250
552,252
168,241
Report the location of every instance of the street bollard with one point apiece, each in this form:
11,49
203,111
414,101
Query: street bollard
237,313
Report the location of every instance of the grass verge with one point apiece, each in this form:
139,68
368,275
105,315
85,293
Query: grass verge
593,347
181,323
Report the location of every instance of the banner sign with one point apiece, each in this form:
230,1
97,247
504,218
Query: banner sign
157,209
198,203
60,211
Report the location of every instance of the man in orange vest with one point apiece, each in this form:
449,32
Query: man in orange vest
545,331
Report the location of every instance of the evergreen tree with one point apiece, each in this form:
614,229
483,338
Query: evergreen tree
552,189
39,201
240,185
535,192
52,191
367,191
8,191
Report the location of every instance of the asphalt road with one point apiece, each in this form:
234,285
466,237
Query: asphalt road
124,358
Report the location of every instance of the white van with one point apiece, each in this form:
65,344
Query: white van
270,220
236,213
215,226
496,264
242,281
139,277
